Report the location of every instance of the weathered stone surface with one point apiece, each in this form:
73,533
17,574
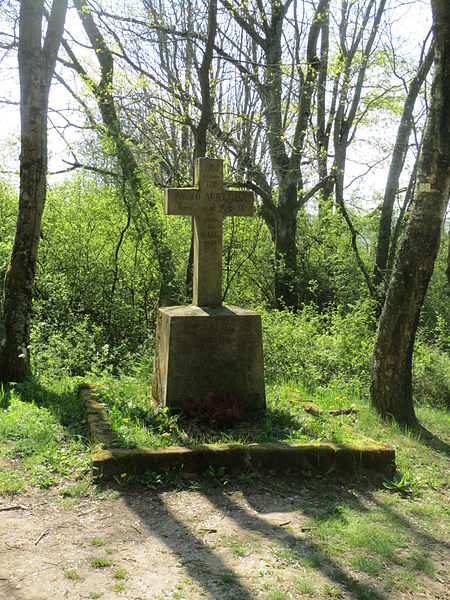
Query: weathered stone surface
208,350
236,458
208,203
110,462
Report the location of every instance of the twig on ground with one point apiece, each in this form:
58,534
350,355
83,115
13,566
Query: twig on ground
43,534
134,527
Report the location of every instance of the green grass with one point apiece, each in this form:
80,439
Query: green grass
135,423
236,546
305,586
42,439
99,562
375,540
12,481
120,574
276,594
97,542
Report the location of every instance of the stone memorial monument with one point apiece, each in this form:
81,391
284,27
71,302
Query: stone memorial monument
207,348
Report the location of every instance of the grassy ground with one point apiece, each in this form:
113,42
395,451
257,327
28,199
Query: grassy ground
391,533
292,417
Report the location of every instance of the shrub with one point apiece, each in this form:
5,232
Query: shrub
320,349
217,411
431,374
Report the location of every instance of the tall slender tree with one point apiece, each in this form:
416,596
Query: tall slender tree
37,57
391,386
397,162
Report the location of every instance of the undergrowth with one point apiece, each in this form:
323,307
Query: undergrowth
136,422
42,438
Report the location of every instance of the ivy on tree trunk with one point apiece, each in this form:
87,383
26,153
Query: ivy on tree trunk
36,67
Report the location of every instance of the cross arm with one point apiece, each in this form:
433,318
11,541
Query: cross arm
238,203
181,201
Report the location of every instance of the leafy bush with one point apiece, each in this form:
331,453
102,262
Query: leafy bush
217,411
431,374
320,349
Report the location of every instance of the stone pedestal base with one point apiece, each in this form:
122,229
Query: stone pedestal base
201,350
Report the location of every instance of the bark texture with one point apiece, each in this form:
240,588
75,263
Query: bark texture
36,66
396,167
103,93
391,386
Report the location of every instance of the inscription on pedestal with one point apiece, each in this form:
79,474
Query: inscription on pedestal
203,350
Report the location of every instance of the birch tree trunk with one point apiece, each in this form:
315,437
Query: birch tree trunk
391,386
36,66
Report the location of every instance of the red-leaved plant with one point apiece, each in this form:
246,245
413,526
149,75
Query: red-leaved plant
217,412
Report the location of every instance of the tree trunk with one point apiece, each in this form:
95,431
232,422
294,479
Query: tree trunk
286,247
103,92
36,67
391,387
395,169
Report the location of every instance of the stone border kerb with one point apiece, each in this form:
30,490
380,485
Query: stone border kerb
108,462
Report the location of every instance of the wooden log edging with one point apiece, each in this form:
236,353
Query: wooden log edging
108,461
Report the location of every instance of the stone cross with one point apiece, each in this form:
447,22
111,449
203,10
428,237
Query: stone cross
208,203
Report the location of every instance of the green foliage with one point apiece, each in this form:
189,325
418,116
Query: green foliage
435,315
4,398
43,429
431,373
403,484
98,287
98,280
100,562
320,349
8,216
327,272
71,575
120,574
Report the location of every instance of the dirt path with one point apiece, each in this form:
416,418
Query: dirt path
205,543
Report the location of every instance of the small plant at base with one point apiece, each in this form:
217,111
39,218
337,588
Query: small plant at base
150,480
217,476
332,590
304,586
120,574
403,484
100,563
166,421
118,587
72,575
77,490
97,542
246,479
234,545
276,594
174,479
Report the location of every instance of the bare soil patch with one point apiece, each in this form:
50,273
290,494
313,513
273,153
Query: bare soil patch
218,542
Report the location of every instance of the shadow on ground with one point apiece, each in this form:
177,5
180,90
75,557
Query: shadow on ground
313,499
